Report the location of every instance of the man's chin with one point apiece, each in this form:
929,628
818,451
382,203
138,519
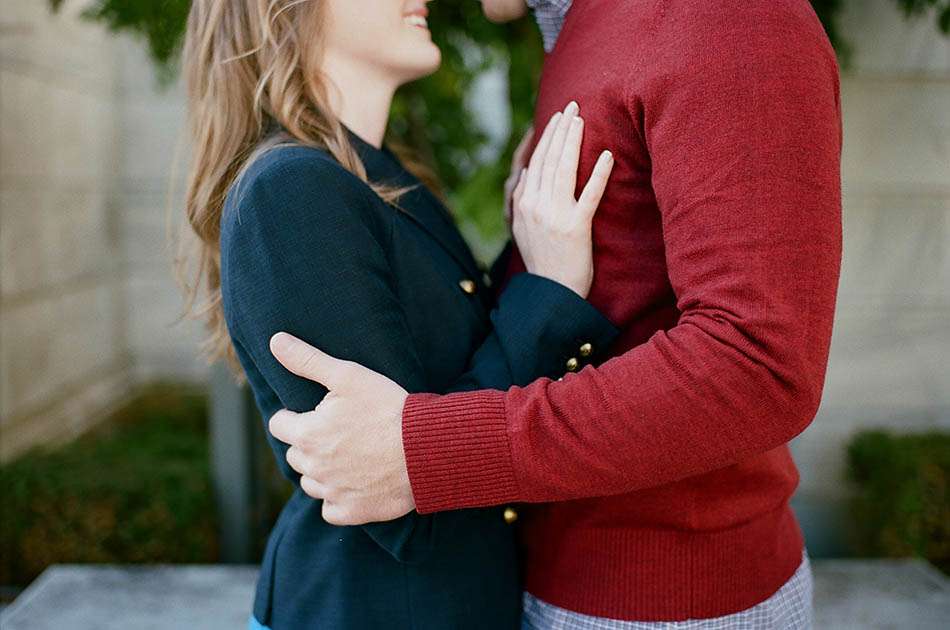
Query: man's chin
501,11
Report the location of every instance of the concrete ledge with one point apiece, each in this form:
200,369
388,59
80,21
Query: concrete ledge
849,594
880,594
133,597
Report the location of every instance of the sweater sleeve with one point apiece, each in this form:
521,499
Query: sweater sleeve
742,123
308,255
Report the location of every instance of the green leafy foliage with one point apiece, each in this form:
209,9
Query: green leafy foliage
160,23
828,12
136,489
939,8
902,504
432,116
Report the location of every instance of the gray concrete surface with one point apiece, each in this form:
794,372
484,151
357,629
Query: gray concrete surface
147,597
849,594
880,595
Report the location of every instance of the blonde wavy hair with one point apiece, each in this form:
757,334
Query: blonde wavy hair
250,66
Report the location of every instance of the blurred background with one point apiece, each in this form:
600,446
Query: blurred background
119,444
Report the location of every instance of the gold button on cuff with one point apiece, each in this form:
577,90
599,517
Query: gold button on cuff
468,286
586,350
510,515
572,364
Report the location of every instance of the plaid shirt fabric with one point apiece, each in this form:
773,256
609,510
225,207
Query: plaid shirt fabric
549,15
790,608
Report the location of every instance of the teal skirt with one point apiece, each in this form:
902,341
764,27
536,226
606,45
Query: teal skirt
254,624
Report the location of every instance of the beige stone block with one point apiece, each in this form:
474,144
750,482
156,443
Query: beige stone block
154,144
896,134
55,136
137,73
149,231
53,237
821,450
84,130
885,43
81,237
54,342
889,360
887,369
26,111
59,47
22,11
89,334
67,417
896,253
164,345
24,265
26,355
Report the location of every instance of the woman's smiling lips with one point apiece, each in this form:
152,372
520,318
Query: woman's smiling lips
417,17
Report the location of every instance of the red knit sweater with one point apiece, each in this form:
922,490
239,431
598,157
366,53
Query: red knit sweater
717,252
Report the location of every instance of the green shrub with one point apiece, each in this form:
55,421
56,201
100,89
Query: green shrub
135,489
901,507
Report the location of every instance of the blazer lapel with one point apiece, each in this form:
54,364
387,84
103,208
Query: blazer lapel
419,204
429,214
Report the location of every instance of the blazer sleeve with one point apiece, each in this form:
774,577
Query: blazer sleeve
306,222
496,272
743,129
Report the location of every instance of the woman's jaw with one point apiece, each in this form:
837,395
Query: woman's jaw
369,49
387,40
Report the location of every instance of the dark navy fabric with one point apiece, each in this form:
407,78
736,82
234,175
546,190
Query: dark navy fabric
308,248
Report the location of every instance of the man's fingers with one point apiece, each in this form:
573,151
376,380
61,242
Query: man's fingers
312,488
336,514
306,361
594,190
285,426
297,460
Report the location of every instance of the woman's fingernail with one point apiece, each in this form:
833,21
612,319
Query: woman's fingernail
572,106
608,155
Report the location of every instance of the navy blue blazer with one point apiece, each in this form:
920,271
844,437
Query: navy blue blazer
308,248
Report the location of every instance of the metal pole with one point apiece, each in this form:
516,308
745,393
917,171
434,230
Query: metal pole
232,419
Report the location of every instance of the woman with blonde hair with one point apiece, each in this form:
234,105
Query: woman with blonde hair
307,223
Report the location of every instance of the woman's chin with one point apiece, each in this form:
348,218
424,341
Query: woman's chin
425,64
435,61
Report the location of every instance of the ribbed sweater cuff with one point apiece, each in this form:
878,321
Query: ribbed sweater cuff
457,450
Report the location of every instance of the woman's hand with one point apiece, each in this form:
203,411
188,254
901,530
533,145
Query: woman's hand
519,160
551,228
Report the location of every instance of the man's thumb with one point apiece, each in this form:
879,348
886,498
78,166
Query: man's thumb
306,361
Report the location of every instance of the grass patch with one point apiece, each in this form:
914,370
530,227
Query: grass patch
902,505
136,489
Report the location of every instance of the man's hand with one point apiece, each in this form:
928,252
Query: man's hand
349,449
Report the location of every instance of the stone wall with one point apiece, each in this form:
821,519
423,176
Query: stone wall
151,188
63,349
89,306
890,354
